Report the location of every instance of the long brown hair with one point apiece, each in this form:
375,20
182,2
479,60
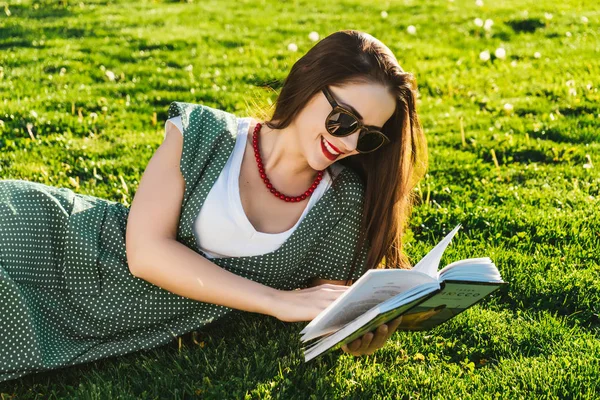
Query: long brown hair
351,56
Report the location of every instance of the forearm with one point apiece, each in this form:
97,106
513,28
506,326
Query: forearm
172,266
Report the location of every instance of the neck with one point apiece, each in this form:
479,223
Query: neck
282,156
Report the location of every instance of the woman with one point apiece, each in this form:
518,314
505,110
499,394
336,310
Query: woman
275,225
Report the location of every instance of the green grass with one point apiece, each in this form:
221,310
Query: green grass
536,213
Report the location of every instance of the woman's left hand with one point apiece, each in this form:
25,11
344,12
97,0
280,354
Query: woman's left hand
369,342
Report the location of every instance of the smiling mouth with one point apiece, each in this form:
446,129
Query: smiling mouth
330,147
329,150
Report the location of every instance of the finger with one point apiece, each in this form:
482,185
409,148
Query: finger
355,345
366,341
348,347
380,337
393,325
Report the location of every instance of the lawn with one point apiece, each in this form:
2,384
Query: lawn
514,145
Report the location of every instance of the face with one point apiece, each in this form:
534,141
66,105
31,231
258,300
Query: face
373,102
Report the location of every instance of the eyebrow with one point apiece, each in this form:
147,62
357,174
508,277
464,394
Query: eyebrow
358,114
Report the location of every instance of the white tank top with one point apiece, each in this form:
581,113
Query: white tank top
222,227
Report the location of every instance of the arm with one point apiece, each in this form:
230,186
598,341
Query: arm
318,281
154,254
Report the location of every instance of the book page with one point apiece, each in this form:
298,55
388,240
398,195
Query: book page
483,271
430,263
378,286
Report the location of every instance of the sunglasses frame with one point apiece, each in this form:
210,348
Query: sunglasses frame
361,127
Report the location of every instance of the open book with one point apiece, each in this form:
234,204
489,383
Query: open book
424,296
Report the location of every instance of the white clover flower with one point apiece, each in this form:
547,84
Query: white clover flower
568,34
384,14
537,54
572,92
110,75
488,24
292,47
102,68
584,19
63,71
411,30
589,162
508,107
552,117
33,114
513,63
189,68
478,22
500,53
93,116
479,3
570,83
548,16
313,36
484,55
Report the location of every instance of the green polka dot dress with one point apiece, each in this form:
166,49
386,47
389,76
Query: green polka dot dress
67,296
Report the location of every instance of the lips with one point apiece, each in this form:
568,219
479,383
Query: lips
333,147
326,152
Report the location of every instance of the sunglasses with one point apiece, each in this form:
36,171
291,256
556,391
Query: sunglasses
343,122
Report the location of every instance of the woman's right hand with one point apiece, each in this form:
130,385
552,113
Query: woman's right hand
305,304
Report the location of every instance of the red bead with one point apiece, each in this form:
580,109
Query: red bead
265,179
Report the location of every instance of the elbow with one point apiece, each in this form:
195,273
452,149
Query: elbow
137,256
132,262
145,254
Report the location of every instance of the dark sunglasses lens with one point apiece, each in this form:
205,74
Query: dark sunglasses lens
369,142
341,124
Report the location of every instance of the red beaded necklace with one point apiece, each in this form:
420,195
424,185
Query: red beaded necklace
263,175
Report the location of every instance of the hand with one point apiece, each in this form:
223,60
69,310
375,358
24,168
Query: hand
304,304
369,342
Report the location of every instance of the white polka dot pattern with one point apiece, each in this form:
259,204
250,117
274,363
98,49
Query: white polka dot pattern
67,296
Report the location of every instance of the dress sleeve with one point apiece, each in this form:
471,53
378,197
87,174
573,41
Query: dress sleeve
195,126
334,255
175,121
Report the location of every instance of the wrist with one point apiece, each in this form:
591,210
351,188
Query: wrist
270,302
